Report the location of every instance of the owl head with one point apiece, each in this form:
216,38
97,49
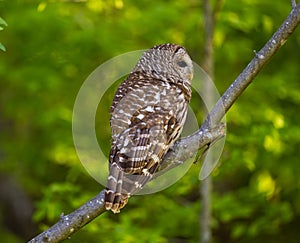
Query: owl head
168,62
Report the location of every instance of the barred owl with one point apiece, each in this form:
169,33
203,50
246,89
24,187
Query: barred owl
147,116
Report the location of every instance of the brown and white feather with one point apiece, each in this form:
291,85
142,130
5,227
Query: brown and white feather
147,116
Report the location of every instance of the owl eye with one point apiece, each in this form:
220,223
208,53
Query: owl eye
182,64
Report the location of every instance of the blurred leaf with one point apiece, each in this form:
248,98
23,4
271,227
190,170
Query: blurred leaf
2,47
3,22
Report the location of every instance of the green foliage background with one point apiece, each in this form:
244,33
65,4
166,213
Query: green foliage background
51,48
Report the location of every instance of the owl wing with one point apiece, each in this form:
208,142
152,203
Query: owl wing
137,152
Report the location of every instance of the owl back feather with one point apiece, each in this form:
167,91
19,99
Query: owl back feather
147,116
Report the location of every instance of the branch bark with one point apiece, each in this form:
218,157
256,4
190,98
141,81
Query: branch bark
186,147
69,224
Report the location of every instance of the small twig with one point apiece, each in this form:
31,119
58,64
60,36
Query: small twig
187,147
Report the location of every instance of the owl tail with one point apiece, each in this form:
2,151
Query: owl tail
114,199
121,185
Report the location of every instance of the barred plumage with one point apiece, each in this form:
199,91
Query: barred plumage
147,116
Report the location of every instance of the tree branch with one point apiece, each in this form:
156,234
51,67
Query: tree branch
254,67
69,224
186,147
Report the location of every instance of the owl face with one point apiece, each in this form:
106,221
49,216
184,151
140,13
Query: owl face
182,63
169,62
